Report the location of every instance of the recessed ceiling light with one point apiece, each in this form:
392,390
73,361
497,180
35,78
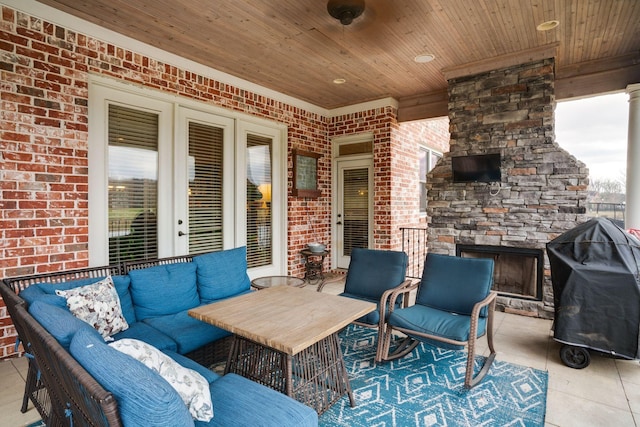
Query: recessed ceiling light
339,81
425,57
548,25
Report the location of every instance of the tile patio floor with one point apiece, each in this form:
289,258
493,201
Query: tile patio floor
606,393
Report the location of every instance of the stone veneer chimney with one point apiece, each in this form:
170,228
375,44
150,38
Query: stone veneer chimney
543,190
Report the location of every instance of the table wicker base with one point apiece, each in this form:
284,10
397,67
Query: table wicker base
316,376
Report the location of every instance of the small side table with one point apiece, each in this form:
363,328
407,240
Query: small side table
271,281
313,264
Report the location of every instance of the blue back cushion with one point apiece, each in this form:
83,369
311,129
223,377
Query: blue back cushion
222,274
371,272
122,284
455,284
144,397
46,292
58,321
164,289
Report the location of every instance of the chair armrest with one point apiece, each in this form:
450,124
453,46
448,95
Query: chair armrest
475,313
390,296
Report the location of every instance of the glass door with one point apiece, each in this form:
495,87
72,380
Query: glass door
132,184
354,213
203,182
261,225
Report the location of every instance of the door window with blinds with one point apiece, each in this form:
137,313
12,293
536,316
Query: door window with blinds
356,209
171,178
133,184
205,171
259,219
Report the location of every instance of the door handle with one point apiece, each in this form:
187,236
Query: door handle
339,223
180,234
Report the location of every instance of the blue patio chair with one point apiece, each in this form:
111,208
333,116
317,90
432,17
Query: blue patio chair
454,307
373,275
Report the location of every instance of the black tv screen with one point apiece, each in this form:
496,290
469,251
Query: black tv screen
477,168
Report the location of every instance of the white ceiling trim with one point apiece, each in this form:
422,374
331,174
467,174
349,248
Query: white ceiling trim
364,106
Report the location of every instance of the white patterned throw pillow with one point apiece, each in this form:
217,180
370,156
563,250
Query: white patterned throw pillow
192,387
97,304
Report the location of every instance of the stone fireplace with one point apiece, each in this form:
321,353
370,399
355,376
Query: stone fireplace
540,193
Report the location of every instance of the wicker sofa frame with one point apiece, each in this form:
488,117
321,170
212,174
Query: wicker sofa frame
75,397
36,389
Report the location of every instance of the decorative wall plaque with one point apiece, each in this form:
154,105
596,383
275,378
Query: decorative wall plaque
305,174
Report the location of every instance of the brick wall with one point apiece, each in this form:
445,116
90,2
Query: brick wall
45,70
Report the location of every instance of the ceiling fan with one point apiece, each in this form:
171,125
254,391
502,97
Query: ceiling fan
345,10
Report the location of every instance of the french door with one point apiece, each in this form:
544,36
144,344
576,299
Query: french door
353,212
203,179
170,179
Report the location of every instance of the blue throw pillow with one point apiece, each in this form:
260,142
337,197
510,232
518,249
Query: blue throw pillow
222,274
59,322
164,289
144,397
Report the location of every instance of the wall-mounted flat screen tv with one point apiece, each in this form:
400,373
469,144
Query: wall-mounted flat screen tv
476,168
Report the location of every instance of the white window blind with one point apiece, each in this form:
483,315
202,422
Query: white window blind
133,184
205,188
259,212
356,209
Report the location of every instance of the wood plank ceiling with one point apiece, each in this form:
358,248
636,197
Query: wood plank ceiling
295,47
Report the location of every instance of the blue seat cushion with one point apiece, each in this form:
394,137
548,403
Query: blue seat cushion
372,318
144,397
208,374
242,402
371,272
189,333
222,299
435,322
58,321
164,289
455,284
222,274
144,332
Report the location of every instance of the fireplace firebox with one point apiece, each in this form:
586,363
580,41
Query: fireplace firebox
518,272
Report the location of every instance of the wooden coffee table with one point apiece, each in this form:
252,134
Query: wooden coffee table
287,338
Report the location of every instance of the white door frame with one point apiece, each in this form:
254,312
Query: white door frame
337,165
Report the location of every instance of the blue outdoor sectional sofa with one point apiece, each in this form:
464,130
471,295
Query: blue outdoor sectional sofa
84,375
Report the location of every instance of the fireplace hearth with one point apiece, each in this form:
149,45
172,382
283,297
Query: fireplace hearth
517,273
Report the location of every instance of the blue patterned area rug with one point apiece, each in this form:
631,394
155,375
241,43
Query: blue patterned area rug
426,388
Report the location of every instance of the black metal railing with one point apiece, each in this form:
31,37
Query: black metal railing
414,244
608,210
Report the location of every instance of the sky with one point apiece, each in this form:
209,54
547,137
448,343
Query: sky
595,130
